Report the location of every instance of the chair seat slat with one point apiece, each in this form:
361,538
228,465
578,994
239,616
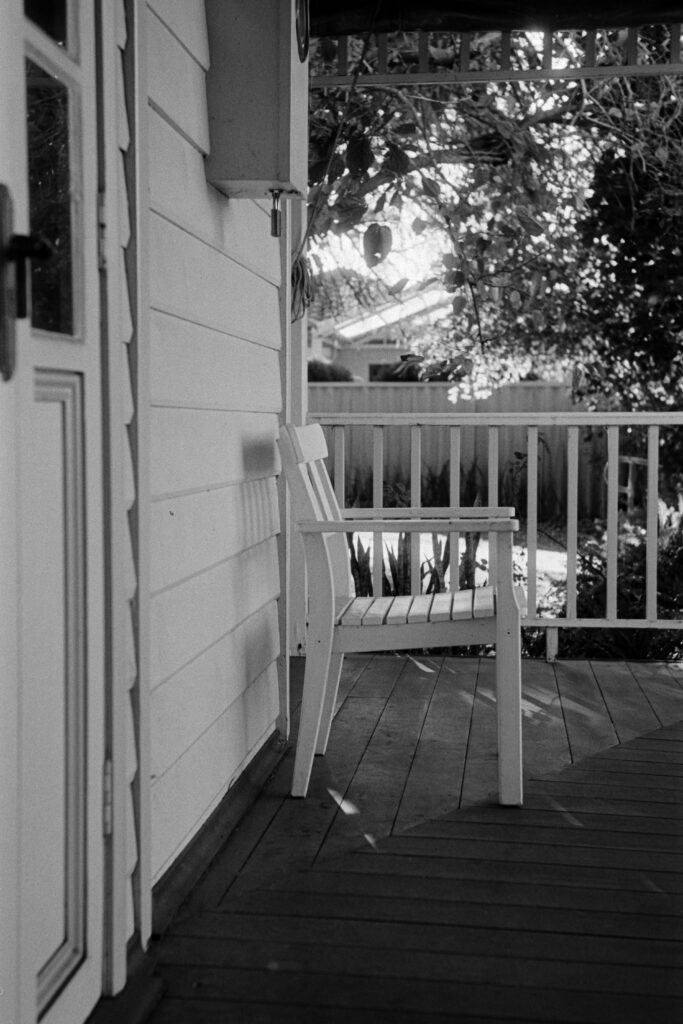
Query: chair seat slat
398,613
462,605
484,603
441,608
377,612
419,609
353,616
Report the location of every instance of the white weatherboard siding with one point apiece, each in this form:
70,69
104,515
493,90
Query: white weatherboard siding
215,398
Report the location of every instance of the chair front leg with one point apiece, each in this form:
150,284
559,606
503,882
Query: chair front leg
508,682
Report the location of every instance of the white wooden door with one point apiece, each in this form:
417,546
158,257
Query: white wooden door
54,403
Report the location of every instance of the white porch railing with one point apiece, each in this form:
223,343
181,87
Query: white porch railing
456,426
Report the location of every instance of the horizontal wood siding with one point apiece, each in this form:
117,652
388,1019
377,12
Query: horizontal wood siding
214,403
202,777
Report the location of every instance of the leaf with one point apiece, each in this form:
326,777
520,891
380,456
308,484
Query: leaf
459,304
359,155
454,279
397,288
397,160
406,128
419,225
377,242
430,187
528,222
662,154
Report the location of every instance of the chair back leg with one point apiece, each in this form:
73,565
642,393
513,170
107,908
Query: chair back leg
329,702
316,675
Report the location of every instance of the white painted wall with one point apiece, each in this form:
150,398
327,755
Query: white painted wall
215,398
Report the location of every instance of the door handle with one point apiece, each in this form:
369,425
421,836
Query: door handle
15,253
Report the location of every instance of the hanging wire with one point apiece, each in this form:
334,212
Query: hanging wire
302,290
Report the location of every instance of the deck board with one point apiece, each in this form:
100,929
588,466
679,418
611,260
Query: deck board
434,903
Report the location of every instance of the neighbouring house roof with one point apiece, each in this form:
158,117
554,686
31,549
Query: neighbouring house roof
347,17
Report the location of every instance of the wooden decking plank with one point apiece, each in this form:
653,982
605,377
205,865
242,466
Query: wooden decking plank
546,746
435,780
579,803
300,826
421,964
628,707
630,765
379,779
199,1011
662,689
554,920
614,776
317,991
552,818
378,678
468,890
589,726
352,668
480,780
606,786
514,871
513,849
557,836
372,934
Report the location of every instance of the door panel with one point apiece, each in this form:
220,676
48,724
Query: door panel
59,514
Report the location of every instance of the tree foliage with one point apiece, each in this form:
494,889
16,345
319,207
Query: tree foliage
555,210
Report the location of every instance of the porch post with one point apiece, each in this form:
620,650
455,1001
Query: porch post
293,382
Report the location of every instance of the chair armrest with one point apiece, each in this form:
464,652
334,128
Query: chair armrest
470,512
408,525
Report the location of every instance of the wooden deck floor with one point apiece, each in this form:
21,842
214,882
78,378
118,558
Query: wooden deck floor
398,891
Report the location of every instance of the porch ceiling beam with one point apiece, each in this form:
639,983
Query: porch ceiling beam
353,17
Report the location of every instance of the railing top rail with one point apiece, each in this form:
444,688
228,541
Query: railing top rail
501,419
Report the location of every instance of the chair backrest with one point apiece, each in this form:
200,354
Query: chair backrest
303,451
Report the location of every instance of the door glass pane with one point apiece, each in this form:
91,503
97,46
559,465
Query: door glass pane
50,198
50,15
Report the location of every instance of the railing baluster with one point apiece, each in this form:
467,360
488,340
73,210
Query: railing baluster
493,496
343,55
378,502
382,53
675,46
612,520
652,522
572,516
423,51
532,517
339,436
416,502
465,50
505,48
454,498
547,50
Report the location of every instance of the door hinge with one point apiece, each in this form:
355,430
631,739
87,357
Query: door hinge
107,796
101,231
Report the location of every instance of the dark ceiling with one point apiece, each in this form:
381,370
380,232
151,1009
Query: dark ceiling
345,17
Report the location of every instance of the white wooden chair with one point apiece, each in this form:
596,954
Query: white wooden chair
339,623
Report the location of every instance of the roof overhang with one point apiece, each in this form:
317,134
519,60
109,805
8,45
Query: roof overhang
354,17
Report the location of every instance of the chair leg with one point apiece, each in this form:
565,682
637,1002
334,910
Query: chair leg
509,713
315,677
329,702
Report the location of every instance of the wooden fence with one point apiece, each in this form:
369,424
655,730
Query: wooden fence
412,402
